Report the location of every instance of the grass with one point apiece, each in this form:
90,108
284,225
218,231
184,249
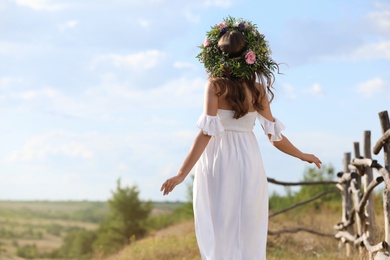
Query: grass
172,236
178,242
44,224
174,243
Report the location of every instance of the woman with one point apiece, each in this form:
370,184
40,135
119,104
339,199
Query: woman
230,186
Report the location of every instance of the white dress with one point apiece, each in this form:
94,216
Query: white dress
230,188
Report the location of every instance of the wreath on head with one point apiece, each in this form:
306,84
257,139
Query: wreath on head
256,58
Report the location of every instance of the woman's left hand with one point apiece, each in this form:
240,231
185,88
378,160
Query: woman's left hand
311,158
170,184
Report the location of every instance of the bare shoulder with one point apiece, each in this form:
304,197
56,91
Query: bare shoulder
263,96
212,88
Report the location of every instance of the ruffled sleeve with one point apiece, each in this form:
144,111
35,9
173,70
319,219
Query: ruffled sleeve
210,125
273,128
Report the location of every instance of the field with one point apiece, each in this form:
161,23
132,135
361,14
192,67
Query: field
178,242
25,225
43,224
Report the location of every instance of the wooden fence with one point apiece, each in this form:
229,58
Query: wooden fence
357,228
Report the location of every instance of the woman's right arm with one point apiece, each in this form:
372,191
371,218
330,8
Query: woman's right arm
200,143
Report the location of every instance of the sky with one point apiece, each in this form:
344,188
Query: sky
96,91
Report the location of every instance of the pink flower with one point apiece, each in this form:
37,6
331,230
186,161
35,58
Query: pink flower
221,25
250,57
206,43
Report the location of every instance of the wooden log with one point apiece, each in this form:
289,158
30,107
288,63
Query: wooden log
347,177
299,229
301,203
382,246
340,187
368,193
345,224
382,256
372,249
345,236
367,180
365,162
381,142
352,167
359,216
301,183
382,171
385,124
360,170
346,200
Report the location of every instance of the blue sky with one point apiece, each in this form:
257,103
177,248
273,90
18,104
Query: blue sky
93,91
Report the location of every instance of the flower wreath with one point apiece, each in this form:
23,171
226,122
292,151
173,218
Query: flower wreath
256,57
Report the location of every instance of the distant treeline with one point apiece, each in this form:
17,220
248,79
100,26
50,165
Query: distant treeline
88,211
117,222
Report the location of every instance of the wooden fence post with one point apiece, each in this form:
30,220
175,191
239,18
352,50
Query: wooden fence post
357,194
385,124
347,202
368,177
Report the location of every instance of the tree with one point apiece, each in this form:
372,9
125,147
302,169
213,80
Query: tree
312,174
77,245
125,220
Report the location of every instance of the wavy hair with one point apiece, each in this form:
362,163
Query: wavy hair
233,43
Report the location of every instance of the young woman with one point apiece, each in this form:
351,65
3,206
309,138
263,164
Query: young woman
230,186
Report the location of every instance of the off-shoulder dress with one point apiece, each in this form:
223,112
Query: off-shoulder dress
230,195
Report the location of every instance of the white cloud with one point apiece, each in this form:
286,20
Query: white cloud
6,82
39,147
372,87
218,3
47,100
71,24
138,61
380,50
179,93
192,17
316,90
289,91
380,19
42,5
122,166
17,49
144,23
37,94
183,65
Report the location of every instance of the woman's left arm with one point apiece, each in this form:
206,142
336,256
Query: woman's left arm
287,147
284,144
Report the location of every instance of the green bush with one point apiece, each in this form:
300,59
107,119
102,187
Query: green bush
125,220
28,251
179,214
311,174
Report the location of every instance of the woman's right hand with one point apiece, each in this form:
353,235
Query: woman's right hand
171,183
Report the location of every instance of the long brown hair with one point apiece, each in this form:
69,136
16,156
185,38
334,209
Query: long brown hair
233,43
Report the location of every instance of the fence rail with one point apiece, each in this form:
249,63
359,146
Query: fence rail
357,227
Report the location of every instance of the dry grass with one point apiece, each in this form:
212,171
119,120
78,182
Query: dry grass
179,243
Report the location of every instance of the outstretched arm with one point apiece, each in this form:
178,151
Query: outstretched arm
200,143
285,145
195,152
